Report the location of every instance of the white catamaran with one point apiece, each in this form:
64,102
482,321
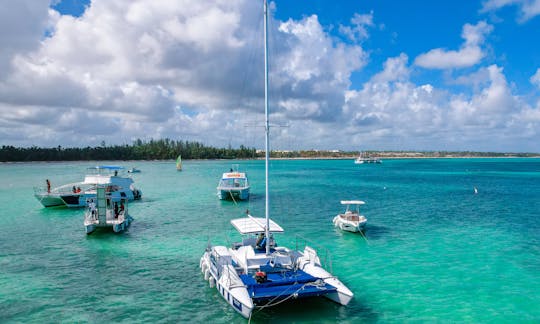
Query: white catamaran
256,273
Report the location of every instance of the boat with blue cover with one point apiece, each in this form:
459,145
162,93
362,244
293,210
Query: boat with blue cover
255,272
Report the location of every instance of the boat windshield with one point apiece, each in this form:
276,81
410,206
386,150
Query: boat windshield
233,182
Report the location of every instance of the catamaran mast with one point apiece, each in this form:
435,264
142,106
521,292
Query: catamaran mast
266,129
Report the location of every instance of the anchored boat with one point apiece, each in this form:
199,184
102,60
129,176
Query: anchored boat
77,194
256,273
107,210
233,184
351,220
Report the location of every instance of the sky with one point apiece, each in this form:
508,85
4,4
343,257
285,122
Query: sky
425,75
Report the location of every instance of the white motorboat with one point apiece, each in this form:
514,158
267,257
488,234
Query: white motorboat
256,273
107,210
233,184
351,220
134,170
77,194
364,158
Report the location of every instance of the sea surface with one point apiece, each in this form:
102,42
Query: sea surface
433,251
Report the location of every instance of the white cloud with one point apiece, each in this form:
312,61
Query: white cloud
528,9
468,55
395,69
181,69
359,29
397,114
535,79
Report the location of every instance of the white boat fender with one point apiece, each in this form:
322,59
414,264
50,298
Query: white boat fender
212,282
204,267
206,274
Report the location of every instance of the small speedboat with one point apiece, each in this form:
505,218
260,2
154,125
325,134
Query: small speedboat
134,170
107,210
351,220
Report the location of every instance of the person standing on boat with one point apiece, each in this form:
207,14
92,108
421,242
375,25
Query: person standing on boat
48,185
92,206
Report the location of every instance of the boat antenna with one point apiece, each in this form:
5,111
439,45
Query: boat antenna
266,129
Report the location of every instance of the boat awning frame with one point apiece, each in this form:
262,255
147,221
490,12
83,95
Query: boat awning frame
254,225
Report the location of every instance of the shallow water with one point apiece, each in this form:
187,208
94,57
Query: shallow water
434,250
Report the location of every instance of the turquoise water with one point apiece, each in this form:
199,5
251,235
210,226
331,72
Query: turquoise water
435,251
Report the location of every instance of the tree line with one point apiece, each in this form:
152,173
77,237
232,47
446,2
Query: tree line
162,149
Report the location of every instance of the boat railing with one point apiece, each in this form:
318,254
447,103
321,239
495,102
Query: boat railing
62,190
323,253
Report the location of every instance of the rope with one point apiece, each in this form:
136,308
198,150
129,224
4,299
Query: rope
319,283
364,236
232,197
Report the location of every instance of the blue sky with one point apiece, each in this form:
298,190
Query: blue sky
365,74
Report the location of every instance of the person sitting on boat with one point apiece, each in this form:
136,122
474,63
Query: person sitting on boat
261,241
74,189
78,189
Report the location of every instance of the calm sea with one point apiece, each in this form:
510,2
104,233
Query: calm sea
434,250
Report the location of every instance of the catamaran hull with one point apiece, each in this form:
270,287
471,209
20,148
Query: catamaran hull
237,296
235,194
116,227
50,200
342,295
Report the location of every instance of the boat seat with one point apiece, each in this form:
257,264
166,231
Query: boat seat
250,241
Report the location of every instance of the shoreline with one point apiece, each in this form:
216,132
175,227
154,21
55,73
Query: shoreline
291,158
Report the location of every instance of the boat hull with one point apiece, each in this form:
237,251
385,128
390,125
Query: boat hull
236,295
50,200
241,194
349,226
116,226
342,295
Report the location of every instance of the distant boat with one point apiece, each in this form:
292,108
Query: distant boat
77,194
179,163
364,158
107,210
233,184
134,170
351,220
257,273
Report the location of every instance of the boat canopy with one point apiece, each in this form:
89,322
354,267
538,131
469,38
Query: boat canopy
253,225
352,202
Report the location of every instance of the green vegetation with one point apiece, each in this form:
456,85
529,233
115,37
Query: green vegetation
163,149
166,149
